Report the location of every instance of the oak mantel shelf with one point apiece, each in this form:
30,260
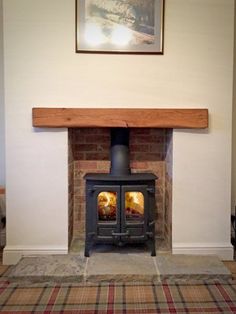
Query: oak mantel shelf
120,117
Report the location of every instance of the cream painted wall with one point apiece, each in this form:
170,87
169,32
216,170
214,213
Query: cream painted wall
42,69
234,126
2,130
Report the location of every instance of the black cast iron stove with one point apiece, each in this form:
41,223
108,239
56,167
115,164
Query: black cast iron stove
120,205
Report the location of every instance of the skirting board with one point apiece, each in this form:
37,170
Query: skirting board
12,255
223,251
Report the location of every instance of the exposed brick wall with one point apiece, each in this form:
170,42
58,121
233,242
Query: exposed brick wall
91,153
90,144
90,148
70,191
168,189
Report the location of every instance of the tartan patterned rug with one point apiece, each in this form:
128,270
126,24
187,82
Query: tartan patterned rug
118,298
163,297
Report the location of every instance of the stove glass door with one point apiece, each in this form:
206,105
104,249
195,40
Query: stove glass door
107,206
134,206
134,200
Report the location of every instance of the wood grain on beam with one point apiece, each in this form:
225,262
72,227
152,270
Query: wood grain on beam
132,118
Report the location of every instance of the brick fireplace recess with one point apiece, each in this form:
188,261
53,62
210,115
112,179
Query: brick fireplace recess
150,157
150,150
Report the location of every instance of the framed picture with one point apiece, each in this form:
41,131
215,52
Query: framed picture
119,26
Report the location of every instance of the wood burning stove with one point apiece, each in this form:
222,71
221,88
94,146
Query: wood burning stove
120,205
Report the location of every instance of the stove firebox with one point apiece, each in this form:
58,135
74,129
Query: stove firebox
120,205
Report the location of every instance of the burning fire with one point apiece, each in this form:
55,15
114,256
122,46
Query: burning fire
107,205
134,203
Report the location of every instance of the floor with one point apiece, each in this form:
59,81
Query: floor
118,297
231,265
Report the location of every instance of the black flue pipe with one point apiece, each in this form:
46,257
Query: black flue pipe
119,152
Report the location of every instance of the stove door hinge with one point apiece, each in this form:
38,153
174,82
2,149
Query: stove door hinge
152,223
149,234
151,190
91,190
91,234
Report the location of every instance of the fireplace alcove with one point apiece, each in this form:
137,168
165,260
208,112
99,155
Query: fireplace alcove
150,151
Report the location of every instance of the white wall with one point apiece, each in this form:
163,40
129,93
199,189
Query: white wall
234,126
42,69
2,130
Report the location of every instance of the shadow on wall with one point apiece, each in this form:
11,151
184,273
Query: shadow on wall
2,221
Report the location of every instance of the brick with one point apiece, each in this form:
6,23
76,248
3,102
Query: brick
100,138
146,156
97,156
140,131
159,132
101,171
80,199
79,139
105,131
84,131
104,148
86,147
90,131
156,148
139,148
139,165
149,139
104,165
87,165
79,156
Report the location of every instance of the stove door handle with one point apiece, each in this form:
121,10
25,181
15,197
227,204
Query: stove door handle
117,234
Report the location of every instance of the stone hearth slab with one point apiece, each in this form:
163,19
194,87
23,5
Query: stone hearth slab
191,267
49,267
121,267
117,266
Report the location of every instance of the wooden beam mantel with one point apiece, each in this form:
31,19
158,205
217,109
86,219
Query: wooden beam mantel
132,118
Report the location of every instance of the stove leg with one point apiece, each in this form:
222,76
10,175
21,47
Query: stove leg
86,249
152,246
88,245
153,251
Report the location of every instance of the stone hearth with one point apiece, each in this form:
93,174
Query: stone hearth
118,266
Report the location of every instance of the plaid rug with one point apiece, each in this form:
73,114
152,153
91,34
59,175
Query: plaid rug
118,298
163,297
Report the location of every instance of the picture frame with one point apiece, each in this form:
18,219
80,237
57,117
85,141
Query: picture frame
119,26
